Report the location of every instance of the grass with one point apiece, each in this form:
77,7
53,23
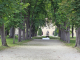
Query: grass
45,37
72,43
10,43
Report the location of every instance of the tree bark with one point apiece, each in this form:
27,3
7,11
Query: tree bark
27,24
30,33
14,37
3,38
59,33
68,35
24,30
72,31
11,32
27,27
78,37
64,35
19,35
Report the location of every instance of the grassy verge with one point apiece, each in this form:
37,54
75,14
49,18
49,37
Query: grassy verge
72,43
10,43
51,37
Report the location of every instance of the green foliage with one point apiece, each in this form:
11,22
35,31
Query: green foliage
68,13
15,18
56,32
76,12
40,31
36,13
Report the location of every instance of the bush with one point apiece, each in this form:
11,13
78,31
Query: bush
55,32
40,31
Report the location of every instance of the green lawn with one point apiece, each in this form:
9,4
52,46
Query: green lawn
72,42
10,43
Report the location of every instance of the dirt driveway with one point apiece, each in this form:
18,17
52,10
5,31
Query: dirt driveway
40,50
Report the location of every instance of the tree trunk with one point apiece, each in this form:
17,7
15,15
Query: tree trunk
27,29
64,35
30,33
24,31
67,36
59,33
33,31
78,37
3,38
27,24
19,35
11,32
14,37
72,31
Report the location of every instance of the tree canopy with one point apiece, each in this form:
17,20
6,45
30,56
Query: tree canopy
29,15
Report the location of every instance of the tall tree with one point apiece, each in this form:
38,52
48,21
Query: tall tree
76,12
5,11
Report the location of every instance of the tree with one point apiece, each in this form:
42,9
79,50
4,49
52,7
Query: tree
34,15
76,12
5,11
8,14
63,16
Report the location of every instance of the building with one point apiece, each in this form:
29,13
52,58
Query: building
48,28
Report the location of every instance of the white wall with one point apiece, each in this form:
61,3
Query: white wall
45,29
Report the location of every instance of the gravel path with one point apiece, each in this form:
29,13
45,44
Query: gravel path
40,50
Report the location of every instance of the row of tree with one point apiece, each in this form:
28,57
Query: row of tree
66,14
29,15
26,15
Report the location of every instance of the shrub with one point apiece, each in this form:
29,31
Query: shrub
55,32
40,31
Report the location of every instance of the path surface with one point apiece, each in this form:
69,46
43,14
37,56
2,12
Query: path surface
40,50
